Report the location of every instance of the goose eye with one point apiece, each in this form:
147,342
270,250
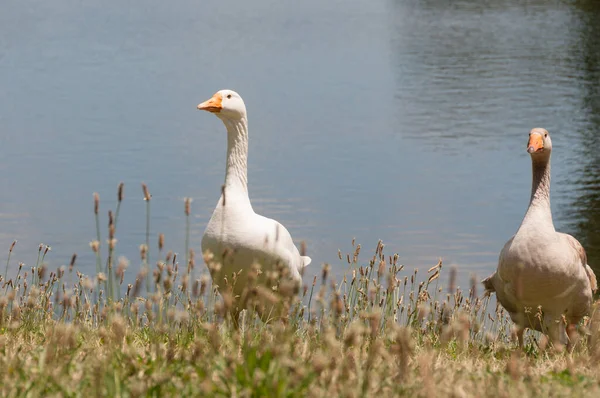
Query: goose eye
546,135
228,96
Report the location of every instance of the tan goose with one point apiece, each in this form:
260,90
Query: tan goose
539,266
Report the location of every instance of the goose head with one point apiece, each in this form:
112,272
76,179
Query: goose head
225,104
539,142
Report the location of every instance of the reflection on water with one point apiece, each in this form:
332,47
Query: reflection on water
403,120
473,77
585,205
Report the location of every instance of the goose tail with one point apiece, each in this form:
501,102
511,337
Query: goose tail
592,278
488,284
306,260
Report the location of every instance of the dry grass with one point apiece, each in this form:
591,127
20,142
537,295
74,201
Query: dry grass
381,330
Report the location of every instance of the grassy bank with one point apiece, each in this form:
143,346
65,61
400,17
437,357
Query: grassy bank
382,329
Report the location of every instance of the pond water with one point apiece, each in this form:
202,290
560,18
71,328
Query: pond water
402,120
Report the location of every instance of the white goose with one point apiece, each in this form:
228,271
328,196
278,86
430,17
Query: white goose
235,229
539,266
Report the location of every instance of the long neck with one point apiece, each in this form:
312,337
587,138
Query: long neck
236,172
539,214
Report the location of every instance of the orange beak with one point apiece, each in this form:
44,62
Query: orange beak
212,105
536,143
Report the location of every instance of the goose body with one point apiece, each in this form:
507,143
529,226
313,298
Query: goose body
540,267
236,236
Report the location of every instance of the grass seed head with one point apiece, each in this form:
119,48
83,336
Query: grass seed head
96,203
143,252
187,206
161,241
120,192
146,192
118,328
95,245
